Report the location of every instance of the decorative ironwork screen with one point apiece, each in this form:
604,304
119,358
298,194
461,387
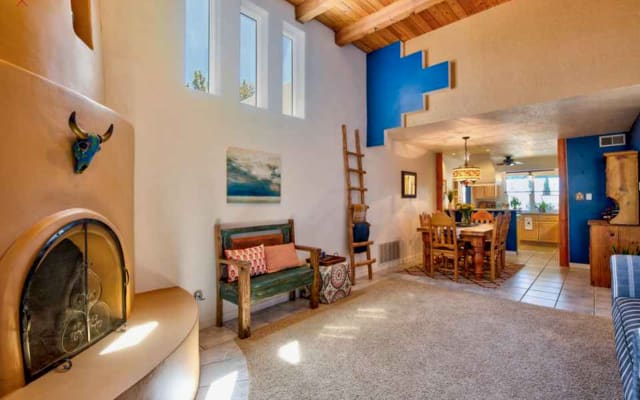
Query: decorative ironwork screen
74,295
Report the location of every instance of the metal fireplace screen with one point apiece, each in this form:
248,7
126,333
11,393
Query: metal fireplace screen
74,295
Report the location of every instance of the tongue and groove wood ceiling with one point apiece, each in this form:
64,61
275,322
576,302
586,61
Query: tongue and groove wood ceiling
373,24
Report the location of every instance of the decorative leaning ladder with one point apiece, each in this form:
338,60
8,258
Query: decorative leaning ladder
360,191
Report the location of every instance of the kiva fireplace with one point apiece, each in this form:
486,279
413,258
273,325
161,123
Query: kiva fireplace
64,287
73,296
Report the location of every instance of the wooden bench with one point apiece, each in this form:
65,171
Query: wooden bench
247,290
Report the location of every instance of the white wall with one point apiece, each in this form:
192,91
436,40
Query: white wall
182,137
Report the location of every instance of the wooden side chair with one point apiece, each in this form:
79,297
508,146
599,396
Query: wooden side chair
425,219
444,244
504,233
493,258
482,217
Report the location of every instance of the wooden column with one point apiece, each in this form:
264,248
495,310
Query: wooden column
439,181
563,228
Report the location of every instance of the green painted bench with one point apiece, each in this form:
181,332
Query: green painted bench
247,290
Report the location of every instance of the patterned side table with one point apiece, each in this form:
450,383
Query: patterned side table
336,283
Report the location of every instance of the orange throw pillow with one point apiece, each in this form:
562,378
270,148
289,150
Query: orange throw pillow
281,257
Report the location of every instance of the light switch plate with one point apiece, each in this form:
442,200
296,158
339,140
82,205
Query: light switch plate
589,196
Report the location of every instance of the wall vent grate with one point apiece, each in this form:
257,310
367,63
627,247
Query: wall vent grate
613,140
389,251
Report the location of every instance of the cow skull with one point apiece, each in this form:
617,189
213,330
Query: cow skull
86,145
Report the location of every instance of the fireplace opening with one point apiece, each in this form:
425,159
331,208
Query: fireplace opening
74,295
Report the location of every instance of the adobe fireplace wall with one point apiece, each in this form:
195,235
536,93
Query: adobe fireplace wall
36,163
50,61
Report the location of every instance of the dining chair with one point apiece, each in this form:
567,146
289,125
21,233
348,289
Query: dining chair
493,257
425,219
444,244
504,233
482,217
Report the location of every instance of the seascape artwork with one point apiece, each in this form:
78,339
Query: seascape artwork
252,176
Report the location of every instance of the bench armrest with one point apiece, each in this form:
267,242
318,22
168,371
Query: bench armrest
625,276
310,249
241,264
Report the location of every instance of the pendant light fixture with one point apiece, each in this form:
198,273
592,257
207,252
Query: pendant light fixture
466,174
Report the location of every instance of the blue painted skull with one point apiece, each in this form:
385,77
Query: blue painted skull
86,145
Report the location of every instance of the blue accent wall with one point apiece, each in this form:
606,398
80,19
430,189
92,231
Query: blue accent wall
586,174
634,134
395,85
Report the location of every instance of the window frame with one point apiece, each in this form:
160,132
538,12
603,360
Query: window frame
213,64
298,69
290,60
261,16
532,193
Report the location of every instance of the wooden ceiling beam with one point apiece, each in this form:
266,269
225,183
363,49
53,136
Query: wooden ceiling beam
309,9
387,16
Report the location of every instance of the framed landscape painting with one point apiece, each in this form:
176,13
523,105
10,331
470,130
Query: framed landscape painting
252,176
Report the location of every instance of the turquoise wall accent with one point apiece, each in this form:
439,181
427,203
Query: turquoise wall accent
395,85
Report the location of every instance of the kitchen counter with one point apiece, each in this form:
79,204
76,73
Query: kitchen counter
519,212
537,213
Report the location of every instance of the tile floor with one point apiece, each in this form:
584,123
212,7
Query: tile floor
224,374
544,283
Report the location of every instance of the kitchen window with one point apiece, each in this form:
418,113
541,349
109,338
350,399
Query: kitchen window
534,190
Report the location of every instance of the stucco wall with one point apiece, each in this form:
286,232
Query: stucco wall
39,37
531,51
182,137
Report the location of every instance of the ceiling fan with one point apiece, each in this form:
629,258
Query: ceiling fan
509,161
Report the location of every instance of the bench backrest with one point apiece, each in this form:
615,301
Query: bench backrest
233,237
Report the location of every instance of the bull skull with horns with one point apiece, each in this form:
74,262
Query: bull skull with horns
86,145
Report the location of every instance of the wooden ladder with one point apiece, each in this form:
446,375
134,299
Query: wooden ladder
360,191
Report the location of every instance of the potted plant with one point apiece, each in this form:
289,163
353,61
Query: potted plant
465,212
543,207
515,203
627,251
450,198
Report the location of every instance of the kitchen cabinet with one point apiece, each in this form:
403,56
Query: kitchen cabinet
543,228
486,191
603,238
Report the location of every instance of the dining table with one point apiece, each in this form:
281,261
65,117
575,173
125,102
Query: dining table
476,235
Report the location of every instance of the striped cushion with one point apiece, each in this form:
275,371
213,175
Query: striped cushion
635,349
626,324
625,276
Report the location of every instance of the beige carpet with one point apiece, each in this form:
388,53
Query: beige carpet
406,340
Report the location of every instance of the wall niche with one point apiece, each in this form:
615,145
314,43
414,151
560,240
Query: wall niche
81,11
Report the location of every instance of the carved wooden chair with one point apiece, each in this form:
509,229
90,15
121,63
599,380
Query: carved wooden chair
425,219
482,217
504,233
444,244
493,257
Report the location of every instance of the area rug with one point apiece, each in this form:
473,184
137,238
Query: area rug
508,271
409,340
